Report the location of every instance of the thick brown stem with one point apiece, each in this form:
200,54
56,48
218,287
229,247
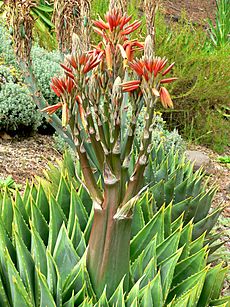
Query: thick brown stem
108,249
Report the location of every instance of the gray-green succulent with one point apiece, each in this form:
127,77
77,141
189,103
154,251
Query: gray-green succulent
44,236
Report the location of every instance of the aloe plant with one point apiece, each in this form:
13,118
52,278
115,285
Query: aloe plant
94,94
43,251
93,107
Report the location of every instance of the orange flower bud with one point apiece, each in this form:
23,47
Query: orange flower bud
51,109
168,80
165,98
130,86
108,55
100,24
66,68
168,69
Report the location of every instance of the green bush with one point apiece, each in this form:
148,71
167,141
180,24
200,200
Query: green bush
17,109
202,85
9,74
169,139
6,48
45,63
45,66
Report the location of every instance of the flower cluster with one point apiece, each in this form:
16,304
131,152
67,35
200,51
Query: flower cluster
115,48
151,70
116,22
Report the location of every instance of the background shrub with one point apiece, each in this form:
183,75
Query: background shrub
169,139
45,66
6,48
202,85
17,109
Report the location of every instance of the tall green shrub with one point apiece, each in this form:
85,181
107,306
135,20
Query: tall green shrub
202,85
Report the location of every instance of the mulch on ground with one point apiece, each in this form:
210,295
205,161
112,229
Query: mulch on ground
23,158
196,10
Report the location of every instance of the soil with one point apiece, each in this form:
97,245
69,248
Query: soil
196,10
23,158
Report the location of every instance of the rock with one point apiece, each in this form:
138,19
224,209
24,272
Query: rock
199,158
5,136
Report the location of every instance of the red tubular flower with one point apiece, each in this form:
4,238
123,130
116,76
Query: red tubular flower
70,75
115,19
138,67
98,31
70,85
72,61
165,98
108,55
158,65
129,47
98,49
168,80
168,69
56,90
131,28
124,20
101,24
130,86
58,86
90,61
52,109
66,68
148,67
81,111
62,85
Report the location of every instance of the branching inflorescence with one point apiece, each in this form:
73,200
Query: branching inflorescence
93,100
94,94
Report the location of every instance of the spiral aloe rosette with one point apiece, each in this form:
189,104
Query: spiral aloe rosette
171,180
44,236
